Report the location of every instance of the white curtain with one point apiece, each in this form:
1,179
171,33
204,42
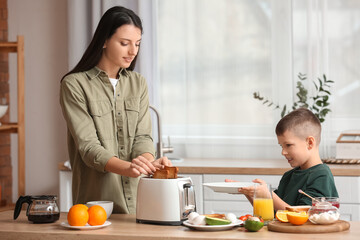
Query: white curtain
211,57
326,34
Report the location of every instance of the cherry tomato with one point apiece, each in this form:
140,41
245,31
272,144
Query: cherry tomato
243,218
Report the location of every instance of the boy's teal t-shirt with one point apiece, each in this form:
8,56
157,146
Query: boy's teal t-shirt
316,181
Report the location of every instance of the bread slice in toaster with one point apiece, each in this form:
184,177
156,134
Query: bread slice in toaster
172,172
166,173
161,174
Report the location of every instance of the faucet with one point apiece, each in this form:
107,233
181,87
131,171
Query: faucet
160,148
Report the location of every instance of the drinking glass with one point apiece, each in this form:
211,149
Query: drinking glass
263,202
335,201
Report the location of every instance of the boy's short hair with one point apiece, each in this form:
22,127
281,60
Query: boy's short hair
302,122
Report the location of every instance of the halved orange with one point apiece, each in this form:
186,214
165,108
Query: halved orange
281,215
297,218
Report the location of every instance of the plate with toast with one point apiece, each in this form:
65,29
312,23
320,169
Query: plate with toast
228,187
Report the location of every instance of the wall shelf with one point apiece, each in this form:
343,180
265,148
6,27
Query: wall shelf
19,126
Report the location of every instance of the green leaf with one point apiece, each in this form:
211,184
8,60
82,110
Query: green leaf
283,111
325,111
319,103
326,91
320,82
316,86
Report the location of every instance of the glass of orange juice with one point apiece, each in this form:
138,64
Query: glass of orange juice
263,202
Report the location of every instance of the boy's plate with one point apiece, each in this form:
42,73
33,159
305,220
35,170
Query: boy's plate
227,187
212,227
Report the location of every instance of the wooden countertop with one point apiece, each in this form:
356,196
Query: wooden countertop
243,166
124,227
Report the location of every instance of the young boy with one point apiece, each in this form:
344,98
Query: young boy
299,135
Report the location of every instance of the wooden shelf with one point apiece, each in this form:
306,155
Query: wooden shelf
9,127
8,46
19,126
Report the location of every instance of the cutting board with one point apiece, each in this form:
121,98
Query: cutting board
308,227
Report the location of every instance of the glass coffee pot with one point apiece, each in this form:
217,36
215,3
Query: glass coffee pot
41,208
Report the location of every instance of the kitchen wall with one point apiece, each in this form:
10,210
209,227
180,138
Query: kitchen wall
44,26
5,150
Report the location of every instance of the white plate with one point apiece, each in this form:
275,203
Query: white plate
212,227
86,227
227,187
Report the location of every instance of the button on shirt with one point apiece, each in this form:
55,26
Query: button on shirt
103,122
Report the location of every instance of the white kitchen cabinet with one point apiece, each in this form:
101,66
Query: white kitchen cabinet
349,192
65,196
239,208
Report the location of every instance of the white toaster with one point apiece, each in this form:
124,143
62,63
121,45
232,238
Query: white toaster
164,201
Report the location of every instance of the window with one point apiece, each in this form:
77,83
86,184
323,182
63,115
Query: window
212,55
326,36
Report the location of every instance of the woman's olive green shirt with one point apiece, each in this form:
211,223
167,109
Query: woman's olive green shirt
101,126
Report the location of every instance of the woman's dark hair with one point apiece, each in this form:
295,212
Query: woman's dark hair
112,19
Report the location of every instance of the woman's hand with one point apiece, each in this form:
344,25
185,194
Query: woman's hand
161,162
141,165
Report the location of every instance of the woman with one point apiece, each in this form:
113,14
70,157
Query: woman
106,108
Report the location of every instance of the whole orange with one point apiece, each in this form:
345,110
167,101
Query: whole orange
78,215
97,215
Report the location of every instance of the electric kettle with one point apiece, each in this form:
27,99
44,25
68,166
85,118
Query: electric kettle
41,208
164,201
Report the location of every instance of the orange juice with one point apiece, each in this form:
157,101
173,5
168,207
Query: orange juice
264,208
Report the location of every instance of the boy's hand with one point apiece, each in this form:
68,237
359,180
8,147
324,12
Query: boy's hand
258,180
248,191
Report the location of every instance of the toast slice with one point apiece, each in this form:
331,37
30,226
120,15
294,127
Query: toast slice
172,172
301,208
161,174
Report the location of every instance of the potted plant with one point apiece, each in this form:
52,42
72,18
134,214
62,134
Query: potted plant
318,104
